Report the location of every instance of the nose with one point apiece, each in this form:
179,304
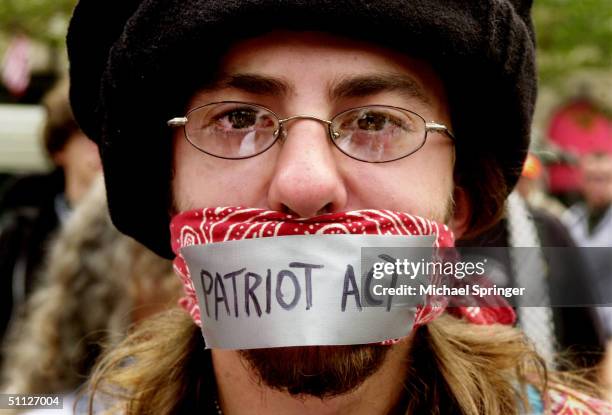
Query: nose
306,180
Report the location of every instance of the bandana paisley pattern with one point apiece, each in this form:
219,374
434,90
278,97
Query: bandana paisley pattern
211,225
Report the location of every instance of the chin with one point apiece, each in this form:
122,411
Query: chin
315,371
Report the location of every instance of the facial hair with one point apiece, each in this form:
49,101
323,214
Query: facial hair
322,371
318,371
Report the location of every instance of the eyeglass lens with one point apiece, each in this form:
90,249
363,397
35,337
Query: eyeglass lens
378,133
232,130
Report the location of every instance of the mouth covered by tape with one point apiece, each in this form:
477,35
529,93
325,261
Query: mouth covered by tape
255,278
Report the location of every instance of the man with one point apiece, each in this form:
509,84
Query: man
34,206
590,223
558,330
261,91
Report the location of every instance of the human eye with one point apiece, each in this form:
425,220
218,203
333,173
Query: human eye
236,119
232,119
376,124
232,130
376,133
376,121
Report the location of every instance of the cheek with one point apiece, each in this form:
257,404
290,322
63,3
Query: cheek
417,185
201,180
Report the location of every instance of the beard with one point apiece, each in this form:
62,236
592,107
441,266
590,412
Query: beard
317,371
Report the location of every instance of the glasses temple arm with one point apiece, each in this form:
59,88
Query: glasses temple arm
441,128
177,122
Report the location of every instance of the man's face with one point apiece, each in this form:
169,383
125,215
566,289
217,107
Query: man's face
80,159
597,180
306,174
319,75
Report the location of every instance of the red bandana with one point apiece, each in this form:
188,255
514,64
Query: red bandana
210,225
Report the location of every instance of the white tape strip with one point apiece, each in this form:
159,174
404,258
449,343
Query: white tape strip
292,291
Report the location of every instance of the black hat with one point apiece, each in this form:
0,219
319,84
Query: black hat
135,64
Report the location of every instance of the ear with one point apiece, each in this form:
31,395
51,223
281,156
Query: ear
462,212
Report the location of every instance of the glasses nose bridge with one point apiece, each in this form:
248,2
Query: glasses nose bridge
304,117
281,122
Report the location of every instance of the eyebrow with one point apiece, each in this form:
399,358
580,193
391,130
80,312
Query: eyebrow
347,87
254,84
371,84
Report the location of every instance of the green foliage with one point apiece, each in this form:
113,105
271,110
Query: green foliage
43,20
572,35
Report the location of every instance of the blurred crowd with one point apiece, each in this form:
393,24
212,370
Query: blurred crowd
71,284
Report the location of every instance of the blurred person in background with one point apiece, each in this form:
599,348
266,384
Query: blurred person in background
567,337
96,284
590,223
34,206
532,221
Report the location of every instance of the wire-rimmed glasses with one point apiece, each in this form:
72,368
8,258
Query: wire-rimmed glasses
373,133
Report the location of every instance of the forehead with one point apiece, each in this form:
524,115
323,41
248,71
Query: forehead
312,59
297,45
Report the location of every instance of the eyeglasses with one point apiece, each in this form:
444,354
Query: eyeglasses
238,130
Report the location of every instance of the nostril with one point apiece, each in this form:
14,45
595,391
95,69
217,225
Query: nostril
286,210
328,208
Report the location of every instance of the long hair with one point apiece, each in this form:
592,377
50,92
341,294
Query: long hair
483,180
453,367
94,278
